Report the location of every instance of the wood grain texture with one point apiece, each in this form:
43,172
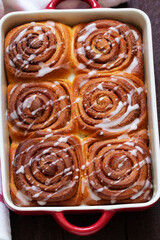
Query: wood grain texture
124,226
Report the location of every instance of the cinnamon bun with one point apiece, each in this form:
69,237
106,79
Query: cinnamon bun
38,51
109,105
105,46
40,106
117,171
46,171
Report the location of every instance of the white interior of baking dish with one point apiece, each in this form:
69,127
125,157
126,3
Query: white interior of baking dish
72,17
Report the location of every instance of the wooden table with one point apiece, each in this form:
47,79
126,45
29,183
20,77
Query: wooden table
123,226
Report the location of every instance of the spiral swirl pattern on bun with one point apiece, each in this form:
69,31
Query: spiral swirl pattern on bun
110,105
39,106
118,171
46,171
107,46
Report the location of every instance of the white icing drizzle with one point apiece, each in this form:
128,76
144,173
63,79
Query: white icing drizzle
97,56
31,57
121,55
81,66
33,23
28,101
100,189
139,149
12,90
83,83
88,48
147,185
83,167
139,90
106,124
142,163
23,198
90,61
46,150
7,49
18,56
17,39
49,130
34,188
117,39
87,163
11,63
61,139
69,173
41,36
13,115
89,29
76,177
104,65
118,109
51,23
43,71
37,194
37,28
133,126
115,29
120,165
77,100
20,170
113,200
129,143
100,87
91,73
134,152
83,185
81,51
135,34
132,65
92,195
148,160
41,203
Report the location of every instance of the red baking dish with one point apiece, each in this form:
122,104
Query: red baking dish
72,17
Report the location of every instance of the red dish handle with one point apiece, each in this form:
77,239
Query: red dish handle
54,3
83,231
1,198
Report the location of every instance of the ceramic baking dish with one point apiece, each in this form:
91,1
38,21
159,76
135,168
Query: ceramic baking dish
72,17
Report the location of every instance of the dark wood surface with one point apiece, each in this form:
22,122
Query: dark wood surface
144,225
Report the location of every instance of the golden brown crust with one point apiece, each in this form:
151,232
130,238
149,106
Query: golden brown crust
117,171
40,106
110,105
53,177
105,46
37,50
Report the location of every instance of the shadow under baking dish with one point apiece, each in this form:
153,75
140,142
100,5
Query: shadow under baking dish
73,17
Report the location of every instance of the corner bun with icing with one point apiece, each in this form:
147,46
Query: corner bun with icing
47,172
105,46
117,170
38,51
